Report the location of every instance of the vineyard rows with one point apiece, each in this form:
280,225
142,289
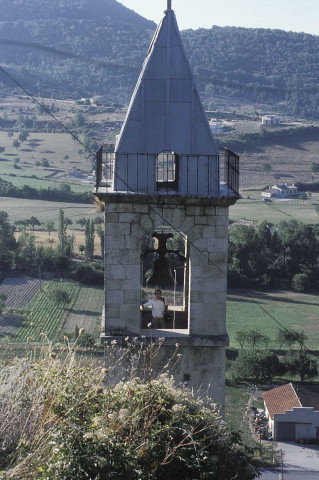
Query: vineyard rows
19,290
44,316
9,325
86,311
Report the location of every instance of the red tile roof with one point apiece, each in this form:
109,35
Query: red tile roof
281,399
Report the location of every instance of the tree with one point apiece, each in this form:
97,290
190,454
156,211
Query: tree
2,149
2,302
23,136
291,337
256,366
34,222
49,226
81,249
58,296
8,244
300,363
301,282
89,240
81,222
266,167
61,231
241,337
314,167
27,247
255,337
16,144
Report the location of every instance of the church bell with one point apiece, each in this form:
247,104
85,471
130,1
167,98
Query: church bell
162,275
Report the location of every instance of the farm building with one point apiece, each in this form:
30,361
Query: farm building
293,412
281,191
270,120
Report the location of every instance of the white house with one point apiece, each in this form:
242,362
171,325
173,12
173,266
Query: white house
293,412
270,120
280,191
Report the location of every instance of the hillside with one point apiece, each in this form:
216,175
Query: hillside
76,48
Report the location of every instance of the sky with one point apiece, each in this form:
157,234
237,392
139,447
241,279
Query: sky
289,15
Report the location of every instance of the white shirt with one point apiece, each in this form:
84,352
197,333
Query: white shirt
158,307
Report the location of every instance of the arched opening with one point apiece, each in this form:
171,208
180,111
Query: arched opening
167,170
165,266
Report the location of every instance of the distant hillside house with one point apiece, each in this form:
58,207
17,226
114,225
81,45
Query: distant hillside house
281,191
270,120
216,127
293,412
76,174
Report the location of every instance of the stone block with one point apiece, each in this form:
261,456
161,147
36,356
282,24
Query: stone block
187,224
132,271
137,231
132,242
140,208
132,297
177,217
116,257
218,258
132,283
202,245
114,297
111,217
118,228
201,220
112,283
197,296
217,245
223,212
196,233
111,311
114,241
196,211
115,271
131,314
112,208
146,223
129,217
221,232
210,211
134,257
209,231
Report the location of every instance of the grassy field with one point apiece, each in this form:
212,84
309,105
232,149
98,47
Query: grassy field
255,209
20,209
292,310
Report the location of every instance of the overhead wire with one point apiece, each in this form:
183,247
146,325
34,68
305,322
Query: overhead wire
155,211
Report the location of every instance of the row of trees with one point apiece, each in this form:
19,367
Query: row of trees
260,256
261,366
285,337
24,254
63,193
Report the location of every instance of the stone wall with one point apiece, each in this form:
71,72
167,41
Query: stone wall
206,228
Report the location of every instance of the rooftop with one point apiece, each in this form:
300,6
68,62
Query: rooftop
290,396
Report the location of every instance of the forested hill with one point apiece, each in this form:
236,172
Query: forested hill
76,48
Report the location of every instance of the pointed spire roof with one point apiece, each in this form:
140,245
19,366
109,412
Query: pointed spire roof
166,113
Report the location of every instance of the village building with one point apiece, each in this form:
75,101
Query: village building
270,120
281,191
167,182
293,412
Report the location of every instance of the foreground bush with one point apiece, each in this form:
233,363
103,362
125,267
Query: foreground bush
62,420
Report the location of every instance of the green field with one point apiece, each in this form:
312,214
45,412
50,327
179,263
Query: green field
254,209
20,209
292,310
43,316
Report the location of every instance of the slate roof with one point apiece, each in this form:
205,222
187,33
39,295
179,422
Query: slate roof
166,113
290,396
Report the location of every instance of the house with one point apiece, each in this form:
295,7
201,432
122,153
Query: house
293,412
270,120
281,191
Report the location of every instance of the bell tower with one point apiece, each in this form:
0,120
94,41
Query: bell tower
168,177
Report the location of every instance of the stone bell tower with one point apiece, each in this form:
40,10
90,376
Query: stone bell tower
167,173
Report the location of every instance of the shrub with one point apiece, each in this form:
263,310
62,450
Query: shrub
256,366
301,282
63,420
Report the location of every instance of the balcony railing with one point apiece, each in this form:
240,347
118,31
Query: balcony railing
213,175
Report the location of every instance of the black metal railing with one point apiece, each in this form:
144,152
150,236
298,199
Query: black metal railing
135,175
231,171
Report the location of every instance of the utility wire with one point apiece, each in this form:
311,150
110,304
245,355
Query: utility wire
156,212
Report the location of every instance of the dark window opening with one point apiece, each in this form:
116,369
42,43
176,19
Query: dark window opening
167,170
